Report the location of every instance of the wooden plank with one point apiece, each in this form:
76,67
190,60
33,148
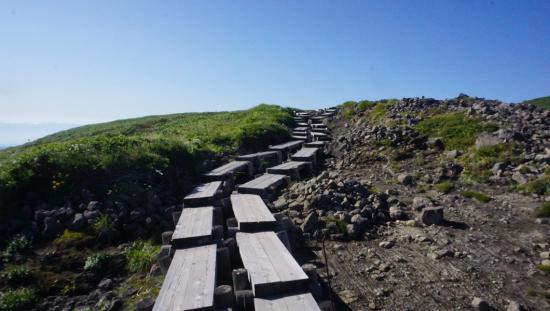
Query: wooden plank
271,268
298,137
301,129
194,227
298,302
291,168
251,213
258,156
263,185
286,146
229,169
316,144
306,154
203,194
190,281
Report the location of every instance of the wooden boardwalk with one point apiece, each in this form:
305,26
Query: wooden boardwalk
194,227
264,185
306,154
251,213
203,260
271,268
228,170
203,194
291,168
299,302
190,281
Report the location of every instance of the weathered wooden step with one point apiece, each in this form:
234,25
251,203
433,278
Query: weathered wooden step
301,129
306,154
190,281
271,268
260,156
291,168
298,302
287,147
299,137
320,136
318,126
203,194
316,144
265,185
251,213
194,227
228,170
302,124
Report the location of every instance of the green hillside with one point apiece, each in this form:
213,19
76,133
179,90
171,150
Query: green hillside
127,156
543,102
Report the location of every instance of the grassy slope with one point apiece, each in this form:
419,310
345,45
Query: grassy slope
119,155
543,102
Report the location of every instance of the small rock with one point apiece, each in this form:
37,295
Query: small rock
78,223
432,215
105,284
515,306
405,179
145,304
386,244
480,304
52,227
310,223
347,296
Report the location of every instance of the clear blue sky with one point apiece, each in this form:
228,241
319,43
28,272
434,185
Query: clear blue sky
87,61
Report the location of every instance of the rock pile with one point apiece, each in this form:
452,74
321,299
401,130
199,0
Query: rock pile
330,205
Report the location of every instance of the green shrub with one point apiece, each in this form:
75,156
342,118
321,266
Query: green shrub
17,300
456,130
69,237
341,225
540,186
140,256
19,244
104,228
444,187
476,195
478,162
544,268
16,275
543,210
97,262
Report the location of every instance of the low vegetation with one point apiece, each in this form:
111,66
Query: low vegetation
540,186
543,210
543,102
478,162
17,299
456,130
69,238
130,154
16,275
97,262
476,195
140,256
444,187
19,244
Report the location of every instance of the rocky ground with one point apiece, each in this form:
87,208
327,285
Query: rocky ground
401,231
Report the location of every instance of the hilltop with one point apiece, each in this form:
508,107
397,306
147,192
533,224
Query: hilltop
543,102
